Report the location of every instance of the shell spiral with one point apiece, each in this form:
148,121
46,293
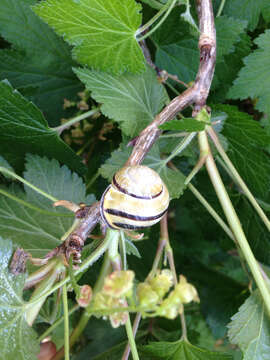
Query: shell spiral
136,198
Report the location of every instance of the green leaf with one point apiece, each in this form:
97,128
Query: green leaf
37,231
266,11
246,140
103,32
252,79
17,339
23,125
5,164
228,34
181,350
186,124
250,329
246,10
131,100
41,62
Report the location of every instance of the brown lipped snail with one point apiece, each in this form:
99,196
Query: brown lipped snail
136,198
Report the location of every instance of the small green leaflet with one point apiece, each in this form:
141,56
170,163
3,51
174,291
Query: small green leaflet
103,32
250,329
253,78
23,129
246,140
5,164
132,100
186,124
17,339
37,231
39,63
181,350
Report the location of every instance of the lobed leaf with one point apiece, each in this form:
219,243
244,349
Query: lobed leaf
246,140
181,350
17,339
186,124
131,100
252,79
250,329
103,32
23,125
39,63
41,231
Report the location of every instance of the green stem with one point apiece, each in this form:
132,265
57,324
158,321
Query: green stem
169,6
236,177
73,281
153,3
66,125
233,219
113,248
33,207
92,180
17,177
87,262
57,323
106,266
131,340
180,147
211,211
66,322
221,6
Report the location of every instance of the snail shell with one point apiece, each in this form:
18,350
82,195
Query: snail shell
137,198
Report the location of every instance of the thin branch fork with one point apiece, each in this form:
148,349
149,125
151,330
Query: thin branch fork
195,95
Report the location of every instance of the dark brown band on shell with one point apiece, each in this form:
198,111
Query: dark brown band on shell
134,217
121,189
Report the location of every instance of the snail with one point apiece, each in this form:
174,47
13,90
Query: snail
136,198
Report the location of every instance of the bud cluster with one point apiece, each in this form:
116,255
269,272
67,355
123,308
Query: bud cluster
154,296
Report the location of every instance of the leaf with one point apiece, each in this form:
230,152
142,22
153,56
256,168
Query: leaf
266,11
186,124
181,350
246,10
228,34
23,125
41,62
252,79
5,164
37,231
102,32
250,329
131,100
17,339
246,140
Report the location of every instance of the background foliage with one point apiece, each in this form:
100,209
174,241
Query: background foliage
62,58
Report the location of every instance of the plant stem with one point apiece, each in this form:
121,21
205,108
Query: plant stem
66,322
237,177
17,177
86,315
134,330
92,180
232,219
221,6
211,211
131,340
153,3
87,262
180,147
168,6
66,125
57,323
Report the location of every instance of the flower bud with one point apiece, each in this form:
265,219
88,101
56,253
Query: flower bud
118,283
169,309
85,295
186,291
119,318
147,297
162,282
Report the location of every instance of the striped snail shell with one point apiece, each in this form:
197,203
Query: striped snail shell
137,198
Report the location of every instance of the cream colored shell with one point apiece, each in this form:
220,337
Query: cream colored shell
137,198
